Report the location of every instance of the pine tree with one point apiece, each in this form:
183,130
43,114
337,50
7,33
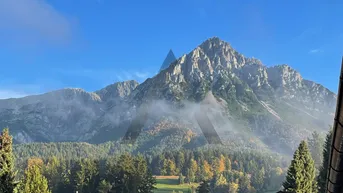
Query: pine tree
34,181
104,187
315,144
54,172
204,187
181,179
301,173
324,168
148,184
7,175
228,164
244,184
258,179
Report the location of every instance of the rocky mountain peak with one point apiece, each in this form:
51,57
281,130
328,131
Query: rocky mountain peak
284,76
118,89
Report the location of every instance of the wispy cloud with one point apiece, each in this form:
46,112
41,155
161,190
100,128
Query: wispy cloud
142,74
308,33
315,51
33,21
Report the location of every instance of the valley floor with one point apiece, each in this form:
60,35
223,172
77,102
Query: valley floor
168,184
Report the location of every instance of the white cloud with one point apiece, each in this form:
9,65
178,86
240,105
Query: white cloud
142,74
33,21
314,51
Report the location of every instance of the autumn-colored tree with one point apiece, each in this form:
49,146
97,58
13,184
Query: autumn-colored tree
207,171
193,165
219,165
220,181
233,187
221,185
35,161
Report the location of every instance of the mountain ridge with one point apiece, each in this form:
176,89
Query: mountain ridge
264,99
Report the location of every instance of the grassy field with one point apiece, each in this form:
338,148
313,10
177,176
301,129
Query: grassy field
166,184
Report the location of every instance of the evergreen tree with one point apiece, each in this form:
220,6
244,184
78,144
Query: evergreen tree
180,161
34,181
148,184
171,168
315,144
78,176
7,175
258,179
244,185
228,164
54,173
301,173
204,187
104,187
181,179
323,172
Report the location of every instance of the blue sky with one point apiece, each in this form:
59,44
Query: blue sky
51,44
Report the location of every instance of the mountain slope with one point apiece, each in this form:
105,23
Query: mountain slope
247,101
62,115
276,102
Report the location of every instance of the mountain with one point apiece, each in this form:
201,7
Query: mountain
250,105
170,58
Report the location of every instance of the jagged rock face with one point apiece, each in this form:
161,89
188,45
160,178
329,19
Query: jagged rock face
284,98
275,102
117,90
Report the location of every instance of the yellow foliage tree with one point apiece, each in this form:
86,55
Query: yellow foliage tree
219,165
233,187
34,161
208,174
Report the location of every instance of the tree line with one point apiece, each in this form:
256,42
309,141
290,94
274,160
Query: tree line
307,172
217,170
121,174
